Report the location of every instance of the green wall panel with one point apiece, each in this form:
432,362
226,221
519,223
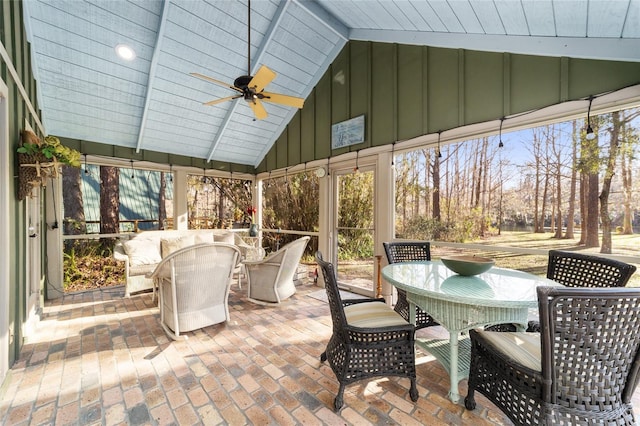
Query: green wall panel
535,81
323,116
483,85
307,129
410,91
592,77
293,138
360,87
383,94
340,87
281,151
444,85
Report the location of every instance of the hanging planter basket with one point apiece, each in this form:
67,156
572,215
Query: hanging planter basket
40,160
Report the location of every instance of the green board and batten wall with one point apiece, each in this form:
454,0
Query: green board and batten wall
406,91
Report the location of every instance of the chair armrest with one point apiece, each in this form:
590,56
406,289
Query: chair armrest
119,253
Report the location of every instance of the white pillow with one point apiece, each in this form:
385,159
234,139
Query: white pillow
142,251
169,245
225,237
202,238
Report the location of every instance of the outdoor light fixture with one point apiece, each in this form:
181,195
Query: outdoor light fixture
86,170
133,176
590,134
439,153
170,172
500,145
125,52
357,169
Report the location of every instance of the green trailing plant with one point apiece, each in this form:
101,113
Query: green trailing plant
51,149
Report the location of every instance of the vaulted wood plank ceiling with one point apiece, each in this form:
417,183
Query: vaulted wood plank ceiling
152,102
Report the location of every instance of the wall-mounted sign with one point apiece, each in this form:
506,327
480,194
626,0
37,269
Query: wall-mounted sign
347,133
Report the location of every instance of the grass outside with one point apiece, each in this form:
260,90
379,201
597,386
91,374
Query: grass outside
628,245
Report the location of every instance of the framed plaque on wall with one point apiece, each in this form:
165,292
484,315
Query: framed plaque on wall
345,133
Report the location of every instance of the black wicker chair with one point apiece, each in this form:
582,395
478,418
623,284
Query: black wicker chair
581,369
584,270
369,339
409,252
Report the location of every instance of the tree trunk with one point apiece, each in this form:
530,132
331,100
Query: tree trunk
436,187
592,238
558,158
162,208
74,220
584,184
627,226
605,218
569,234
109,203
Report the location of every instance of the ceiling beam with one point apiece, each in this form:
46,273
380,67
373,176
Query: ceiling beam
609,49
152,73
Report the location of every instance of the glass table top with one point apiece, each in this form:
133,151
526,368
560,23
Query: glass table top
496,287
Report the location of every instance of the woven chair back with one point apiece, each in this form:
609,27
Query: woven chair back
582,270
407,251
590,347
333,293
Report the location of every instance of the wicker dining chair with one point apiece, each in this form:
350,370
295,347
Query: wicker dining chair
409,252
369,339
582,368
585,270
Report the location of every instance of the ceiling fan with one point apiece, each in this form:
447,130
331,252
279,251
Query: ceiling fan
251,88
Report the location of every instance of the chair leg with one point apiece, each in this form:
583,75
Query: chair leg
413,391
469,401
337,403
323,357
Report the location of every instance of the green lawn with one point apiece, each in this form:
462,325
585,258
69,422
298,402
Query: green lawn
628,245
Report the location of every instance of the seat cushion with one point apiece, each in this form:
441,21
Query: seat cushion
524,348
372,315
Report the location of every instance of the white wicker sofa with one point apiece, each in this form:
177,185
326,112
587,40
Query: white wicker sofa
143,251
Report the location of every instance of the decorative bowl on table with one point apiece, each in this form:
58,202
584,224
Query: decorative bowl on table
468,265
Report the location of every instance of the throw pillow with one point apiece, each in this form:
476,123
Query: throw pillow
225,237
202,238
169,245
142,252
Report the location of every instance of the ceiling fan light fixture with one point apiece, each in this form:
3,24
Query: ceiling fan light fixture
125,52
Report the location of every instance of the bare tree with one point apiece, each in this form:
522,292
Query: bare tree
572,191
72,201
109,202
162,208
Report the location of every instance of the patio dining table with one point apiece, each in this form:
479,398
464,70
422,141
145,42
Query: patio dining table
461,303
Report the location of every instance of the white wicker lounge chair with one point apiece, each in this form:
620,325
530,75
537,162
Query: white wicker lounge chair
271,279
194,286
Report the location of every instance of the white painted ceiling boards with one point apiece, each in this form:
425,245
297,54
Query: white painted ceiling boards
87,92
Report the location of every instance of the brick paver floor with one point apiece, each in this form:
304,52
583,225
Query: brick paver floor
101,359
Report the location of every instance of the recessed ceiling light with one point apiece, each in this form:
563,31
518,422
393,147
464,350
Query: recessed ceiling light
125,52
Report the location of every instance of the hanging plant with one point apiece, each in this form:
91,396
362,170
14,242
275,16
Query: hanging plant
40,159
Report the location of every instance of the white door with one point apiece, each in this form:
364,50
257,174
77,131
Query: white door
354,229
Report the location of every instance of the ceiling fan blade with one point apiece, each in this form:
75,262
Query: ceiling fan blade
258,109
213,80
287,100
218,101
263,77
